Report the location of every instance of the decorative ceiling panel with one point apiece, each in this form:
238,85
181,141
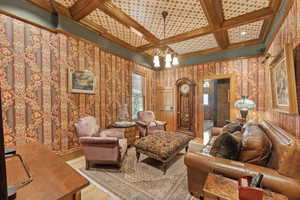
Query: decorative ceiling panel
234,8
183,15
66,3
245,32
195,44
116,28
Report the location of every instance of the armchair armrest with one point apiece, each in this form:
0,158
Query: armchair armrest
160,123
113,132
141,123
98,140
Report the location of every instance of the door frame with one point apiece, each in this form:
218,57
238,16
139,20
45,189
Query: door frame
232,93
193,106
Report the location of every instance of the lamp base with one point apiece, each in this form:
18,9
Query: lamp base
244,114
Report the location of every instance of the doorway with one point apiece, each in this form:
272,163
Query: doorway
218,101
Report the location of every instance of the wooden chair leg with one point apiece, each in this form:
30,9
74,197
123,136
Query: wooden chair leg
87,165
165,166
138,156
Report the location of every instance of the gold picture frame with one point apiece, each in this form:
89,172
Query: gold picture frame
81,82
283,82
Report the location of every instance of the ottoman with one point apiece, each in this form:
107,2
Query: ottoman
162,146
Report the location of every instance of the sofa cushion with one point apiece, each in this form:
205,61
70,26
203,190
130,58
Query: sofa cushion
226,146
256,146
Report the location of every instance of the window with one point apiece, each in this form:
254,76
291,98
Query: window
137,94
205,99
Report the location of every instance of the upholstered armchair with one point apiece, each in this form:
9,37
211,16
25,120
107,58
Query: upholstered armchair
147,124
106,146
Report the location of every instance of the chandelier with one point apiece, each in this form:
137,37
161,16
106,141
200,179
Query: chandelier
170,57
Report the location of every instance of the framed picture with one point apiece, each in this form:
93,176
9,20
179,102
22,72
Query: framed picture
283,82
81,82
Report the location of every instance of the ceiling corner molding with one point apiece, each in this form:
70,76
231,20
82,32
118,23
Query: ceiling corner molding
279,18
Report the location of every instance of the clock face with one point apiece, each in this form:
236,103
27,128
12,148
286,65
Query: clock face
185,88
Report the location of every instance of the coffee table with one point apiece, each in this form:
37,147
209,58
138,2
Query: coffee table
219,187
162,146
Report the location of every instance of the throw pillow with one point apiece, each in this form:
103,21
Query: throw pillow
256,146
226,146
232,127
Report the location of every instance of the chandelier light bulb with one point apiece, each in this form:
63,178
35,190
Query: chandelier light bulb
175,61
156,61
168,58
168,65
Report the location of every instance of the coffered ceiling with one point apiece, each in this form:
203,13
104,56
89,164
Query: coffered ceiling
193,27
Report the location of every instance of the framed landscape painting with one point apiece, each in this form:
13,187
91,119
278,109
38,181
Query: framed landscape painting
283,82
81,82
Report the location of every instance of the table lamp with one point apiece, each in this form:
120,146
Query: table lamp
244,104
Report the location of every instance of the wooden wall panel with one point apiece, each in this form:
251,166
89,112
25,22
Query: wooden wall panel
246,71
33,75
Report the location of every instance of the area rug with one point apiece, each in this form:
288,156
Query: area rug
143,180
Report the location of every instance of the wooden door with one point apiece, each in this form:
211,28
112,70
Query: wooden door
166,106
185,105
223,106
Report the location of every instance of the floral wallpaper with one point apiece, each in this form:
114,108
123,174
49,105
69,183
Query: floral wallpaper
33,77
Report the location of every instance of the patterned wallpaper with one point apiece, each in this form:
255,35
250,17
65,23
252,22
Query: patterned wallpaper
33,77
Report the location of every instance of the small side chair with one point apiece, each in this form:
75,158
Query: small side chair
147,124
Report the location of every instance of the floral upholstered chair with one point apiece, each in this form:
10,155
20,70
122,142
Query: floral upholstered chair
147,124
106,146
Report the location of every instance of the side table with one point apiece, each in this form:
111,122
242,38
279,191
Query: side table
130,130
219,187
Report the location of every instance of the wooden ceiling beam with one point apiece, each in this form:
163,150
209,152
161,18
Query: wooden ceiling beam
84,7
213,50
42,4
275,4
124,19
52,7
258,15
248,18
214,14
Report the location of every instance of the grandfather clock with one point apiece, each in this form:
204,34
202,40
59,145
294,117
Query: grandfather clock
185,105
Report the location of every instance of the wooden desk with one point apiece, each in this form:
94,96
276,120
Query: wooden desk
52,177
